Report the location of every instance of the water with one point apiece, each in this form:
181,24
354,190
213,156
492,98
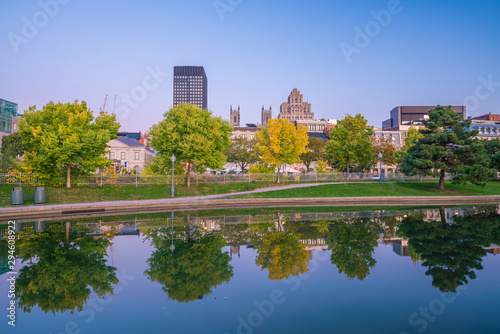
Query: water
273,271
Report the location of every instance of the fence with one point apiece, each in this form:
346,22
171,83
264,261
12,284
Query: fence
138,180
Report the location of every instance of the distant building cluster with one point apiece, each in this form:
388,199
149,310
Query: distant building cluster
9,119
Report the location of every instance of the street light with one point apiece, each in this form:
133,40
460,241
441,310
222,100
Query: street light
172,246
380,157
172,158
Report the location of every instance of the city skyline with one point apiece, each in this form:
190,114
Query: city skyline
366,58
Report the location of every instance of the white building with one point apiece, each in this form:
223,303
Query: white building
128,154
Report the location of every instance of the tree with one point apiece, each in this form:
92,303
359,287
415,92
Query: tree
447,146
384,146
65,137
352,245
316,151
492,148
12,147
242,152
412,136
193,268
67,268
196,138
350,142
281,143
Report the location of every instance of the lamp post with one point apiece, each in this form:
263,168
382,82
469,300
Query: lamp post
172,246
172,158
380,157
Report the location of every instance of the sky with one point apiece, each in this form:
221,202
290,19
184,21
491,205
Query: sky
346,57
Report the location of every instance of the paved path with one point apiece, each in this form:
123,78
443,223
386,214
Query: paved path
210,202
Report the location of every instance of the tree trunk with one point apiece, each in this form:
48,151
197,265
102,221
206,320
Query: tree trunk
68,179
189,176
67,233
279,168
442,214
441,180
347,165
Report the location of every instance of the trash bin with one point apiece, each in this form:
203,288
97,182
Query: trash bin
17,196
39,195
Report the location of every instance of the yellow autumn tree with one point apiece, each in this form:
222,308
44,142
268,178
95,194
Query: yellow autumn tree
281,143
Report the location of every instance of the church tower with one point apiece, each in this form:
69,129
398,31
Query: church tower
265,116
234,117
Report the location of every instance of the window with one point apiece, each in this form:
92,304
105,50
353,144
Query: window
123,155
111,155
136,155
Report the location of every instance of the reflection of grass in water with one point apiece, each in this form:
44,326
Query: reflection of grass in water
4,253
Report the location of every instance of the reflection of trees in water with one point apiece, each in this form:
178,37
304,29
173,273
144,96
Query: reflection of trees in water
352,244
452,251
195,266
282,254
69,266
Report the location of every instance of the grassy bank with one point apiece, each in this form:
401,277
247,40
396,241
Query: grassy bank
383,189
59,195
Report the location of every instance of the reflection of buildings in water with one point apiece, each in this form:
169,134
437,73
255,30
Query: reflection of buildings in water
493,249
234,249
400,247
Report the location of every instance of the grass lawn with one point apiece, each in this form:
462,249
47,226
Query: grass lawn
383,189
60,195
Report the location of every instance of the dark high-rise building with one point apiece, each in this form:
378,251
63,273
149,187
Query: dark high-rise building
190,86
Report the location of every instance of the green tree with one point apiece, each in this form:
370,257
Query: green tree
384,146
67,268
196,138
281,143
492,148
350,142
447,146
12,147
242,152
352,244
413,134
282,254
193,268
62,138
316,152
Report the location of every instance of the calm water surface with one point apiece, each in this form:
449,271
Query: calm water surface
273,271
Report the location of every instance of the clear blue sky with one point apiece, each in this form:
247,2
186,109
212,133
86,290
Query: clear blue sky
431,52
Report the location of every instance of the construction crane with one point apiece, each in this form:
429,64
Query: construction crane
104,105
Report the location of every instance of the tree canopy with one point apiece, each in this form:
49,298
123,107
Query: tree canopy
242,152
12,147
493,150
412,135
281,143
350,142
196,137
316,152
447,146
65,139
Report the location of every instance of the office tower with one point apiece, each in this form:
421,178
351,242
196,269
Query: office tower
295,109
190,86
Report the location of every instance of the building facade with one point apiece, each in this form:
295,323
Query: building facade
487,129
487,117
402,117
190,86
128,154
9,120
296,109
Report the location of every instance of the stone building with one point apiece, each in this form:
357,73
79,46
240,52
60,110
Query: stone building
129,154
266,115
295,109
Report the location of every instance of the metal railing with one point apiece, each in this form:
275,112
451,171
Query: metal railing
196,179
